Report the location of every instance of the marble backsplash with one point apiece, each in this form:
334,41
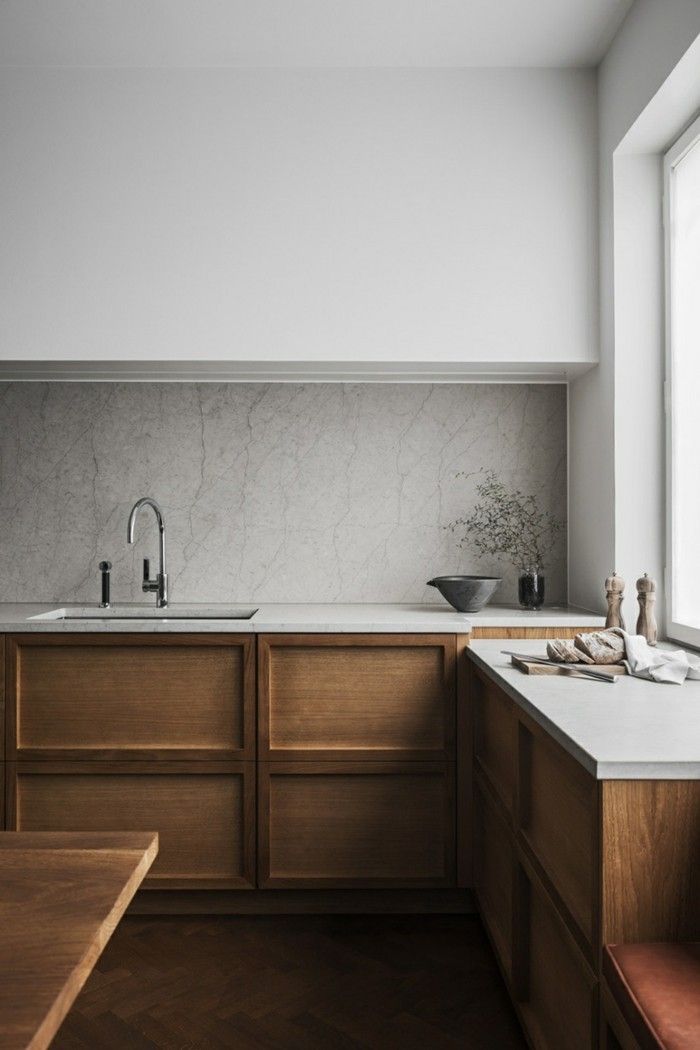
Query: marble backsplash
271,492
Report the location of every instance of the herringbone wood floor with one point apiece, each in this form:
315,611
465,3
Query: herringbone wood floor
294,983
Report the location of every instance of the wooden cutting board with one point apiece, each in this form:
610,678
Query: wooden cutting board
535,668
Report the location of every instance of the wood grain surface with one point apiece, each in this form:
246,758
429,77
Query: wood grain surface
204,812
535,668
295,983
351,697
465,765
2,697
129,696
650,860
557,816
356,823
61,896
494,860
516,633
558,990
495,737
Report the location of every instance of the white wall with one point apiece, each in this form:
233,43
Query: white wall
428,216
616,410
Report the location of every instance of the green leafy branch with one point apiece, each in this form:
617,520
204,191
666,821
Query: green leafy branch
508,523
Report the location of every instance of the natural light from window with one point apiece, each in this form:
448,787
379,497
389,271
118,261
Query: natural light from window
683,306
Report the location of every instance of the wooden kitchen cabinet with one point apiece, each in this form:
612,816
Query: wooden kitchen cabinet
537,853
204,812
572,864
357,760
131,696
494,873
138,732
356,697
2,731
350,824
558,822
495,738
554,986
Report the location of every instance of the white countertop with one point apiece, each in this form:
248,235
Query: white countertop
308,618
633,730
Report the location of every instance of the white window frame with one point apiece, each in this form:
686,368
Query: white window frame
677,631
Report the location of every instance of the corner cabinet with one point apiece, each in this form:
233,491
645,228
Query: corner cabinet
266,762
563,865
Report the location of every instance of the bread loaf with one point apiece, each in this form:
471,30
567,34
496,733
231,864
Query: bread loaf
596,647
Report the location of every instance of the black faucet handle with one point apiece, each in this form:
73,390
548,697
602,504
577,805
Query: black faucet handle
146,569
105,566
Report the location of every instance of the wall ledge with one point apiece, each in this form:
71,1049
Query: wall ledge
292,371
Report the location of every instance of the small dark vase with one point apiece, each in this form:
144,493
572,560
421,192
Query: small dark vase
531,590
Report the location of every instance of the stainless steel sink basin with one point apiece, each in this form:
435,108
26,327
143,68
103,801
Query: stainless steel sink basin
147,613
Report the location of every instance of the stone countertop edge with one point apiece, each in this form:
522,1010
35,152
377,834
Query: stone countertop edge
591,713
309,618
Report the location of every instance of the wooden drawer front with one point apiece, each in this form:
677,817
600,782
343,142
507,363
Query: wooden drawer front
335,697
126,697
495,738
493,874
558,818
2,697
557,989
2,731
205,819
519,633
356,824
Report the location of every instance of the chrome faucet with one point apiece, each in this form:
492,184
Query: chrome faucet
160,584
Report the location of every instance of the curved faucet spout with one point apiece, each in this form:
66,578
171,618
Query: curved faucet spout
145,501
160,584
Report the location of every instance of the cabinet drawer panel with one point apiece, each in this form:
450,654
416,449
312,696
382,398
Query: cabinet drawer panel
131,696
558,817
493,874
495,738
205,820
558,991
356,824
338,696
2,697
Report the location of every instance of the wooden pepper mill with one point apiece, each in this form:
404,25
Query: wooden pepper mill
615,592
646,596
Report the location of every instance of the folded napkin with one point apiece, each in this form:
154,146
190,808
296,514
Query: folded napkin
657,665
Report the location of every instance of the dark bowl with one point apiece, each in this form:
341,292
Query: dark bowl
466,593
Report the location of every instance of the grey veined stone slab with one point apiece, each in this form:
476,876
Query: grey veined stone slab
314,492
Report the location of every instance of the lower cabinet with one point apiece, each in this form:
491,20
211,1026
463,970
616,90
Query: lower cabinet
349,824
555,988
203,812
536,855
494,871
356,749
351,739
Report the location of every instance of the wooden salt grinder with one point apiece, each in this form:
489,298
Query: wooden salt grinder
646,596
615,592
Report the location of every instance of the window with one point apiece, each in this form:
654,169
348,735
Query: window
682,221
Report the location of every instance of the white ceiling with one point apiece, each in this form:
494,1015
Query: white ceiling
334,33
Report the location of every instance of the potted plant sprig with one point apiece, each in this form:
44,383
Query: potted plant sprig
511,523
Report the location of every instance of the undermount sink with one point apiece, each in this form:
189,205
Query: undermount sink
139,612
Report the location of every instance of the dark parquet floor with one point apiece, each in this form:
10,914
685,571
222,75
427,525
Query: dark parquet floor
294,983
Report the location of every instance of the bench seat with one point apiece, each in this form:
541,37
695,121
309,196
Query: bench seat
657,990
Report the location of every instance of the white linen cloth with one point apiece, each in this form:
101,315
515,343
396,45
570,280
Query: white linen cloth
658,665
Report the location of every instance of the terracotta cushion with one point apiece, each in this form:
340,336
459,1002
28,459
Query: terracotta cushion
657,987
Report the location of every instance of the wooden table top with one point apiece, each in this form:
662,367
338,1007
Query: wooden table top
61,896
